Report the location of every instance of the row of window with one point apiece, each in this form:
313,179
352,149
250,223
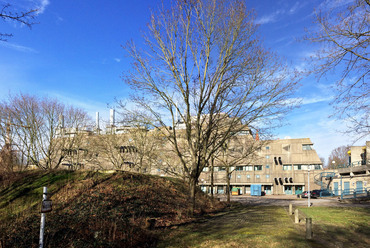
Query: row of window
260,167
306,147
249,176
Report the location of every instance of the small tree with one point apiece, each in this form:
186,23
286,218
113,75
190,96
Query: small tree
343,35
339,156
239,150
204,76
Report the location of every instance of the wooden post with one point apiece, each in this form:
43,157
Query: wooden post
290,209
309,228
296,216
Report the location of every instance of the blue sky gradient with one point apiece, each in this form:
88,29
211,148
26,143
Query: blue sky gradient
75,55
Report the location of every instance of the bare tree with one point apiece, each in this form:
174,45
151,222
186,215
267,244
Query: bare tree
203,76
344,37
239,150
339,156
36,130
7,13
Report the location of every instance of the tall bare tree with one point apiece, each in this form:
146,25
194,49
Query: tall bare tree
8,13
203,75
343,33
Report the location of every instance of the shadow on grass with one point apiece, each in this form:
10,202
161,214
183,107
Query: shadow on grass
239,227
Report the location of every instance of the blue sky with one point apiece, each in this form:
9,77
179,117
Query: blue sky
75,54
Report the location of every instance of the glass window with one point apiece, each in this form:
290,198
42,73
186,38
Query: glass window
239,168
248,176
267,176
249,168
267,156
298,167
205,169
267,148
267,166
221,168
257,176
258,167
307,147
317,167
287,167
238,176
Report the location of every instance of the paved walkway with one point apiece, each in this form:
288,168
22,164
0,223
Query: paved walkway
285,200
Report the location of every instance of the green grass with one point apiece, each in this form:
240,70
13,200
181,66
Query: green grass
342,226
239,227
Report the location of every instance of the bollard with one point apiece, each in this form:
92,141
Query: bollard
296,216
290,209
309,228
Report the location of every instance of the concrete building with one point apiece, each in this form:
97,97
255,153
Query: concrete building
280,167
353,177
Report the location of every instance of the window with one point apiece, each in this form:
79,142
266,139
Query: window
298,167
205,169
307,147
317,167
267,148
239,168
248,176
257,176
267,176
267,166
267,156
221,168
287,167
258,167
249,168
238,176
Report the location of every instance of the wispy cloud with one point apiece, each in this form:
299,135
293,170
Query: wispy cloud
17,47
268,18
41,5
117,60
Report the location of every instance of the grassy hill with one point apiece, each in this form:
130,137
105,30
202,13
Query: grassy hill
93,209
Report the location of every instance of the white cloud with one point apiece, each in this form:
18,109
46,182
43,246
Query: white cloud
17,47
117,60
41,5
270,18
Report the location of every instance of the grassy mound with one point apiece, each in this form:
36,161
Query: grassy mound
93,209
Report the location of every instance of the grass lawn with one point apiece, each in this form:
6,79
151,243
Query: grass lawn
340,226
240,227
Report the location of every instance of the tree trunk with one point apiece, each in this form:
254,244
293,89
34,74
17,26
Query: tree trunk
212,180
193,184
228,184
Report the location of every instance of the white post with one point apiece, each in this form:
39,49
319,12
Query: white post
43,215
308,191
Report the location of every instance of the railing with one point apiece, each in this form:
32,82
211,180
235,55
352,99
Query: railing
318,179
355,193
354,164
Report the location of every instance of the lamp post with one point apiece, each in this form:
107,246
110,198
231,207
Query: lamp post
333,164
308,191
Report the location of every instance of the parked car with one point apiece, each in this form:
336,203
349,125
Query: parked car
318,193
303,195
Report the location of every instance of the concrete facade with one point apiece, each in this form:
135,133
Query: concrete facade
281,167
355,176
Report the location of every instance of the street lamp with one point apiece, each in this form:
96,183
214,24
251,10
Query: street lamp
308,191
